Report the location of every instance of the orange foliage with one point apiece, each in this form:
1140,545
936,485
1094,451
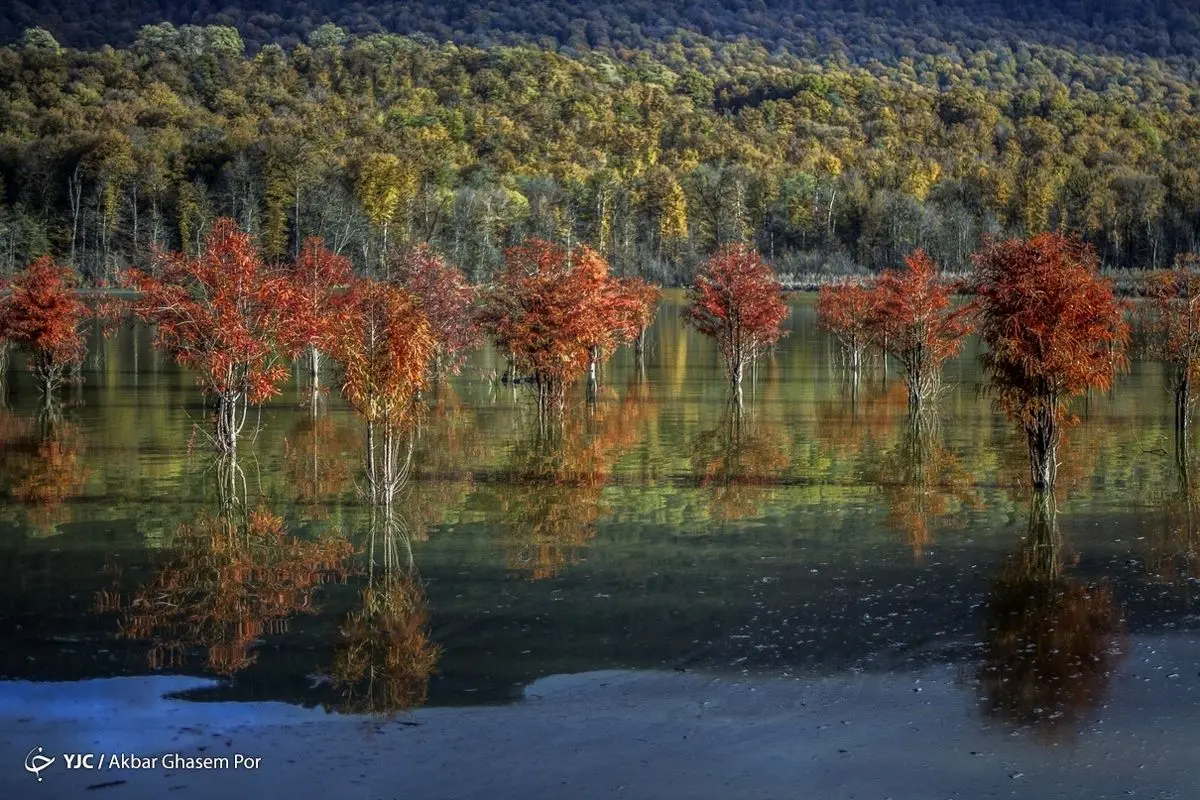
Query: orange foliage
848,312
915,323
738,301
443,293
40,310
316,276
383,343
225,316
1053,329
556,311
233,580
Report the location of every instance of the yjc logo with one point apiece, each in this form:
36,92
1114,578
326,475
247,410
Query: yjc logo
35,762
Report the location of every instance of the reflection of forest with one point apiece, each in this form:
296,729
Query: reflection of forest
1051,642
42,466
904,455
552,495
740,462
234,578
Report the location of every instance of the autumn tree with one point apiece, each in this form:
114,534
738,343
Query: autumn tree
640,304
225,316
1053,329
738,301
41,312
915,322
447,299
384,344
317,274
554,310
847,311
1173,325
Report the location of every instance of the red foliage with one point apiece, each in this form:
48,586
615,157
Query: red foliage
41,311
1053,328
555,311
1173,326
224,315
316,275
738,301
915,323
848,312
383,343
447,298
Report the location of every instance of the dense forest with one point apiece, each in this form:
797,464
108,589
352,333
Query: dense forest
832,146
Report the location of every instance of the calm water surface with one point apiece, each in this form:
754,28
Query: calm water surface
816,536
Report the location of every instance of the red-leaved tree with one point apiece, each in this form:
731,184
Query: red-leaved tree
1173,326
555,311
738,301
847,311
1053,328
640,300
224,315
317,275
384,343
41,312
916,323
448,300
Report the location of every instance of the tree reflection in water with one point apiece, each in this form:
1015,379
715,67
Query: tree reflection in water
1051,642
554,494
921,480
319,457
42,465
384,657
740,461
236,576
1174,543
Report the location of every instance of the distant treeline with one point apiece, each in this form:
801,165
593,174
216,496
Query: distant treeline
655,157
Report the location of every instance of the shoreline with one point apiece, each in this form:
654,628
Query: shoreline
622,734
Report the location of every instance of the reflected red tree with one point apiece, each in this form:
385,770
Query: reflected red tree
320,457
385,656
922,482
235,578
554,494
740,461
42,466
1051,642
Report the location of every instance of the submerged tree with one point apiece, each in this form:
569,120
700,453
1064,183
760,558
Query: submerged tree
1051,643
847,311
448,300
916,324
224,315
383,344
41,312
555,311
641,305
1053,328
1174,333
738,301
317,274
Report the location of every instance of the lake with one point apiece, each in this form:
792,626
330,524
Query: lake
816,537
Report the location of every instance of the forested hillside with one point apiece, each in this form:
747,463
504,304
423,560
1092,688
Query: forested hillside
860,29
653,155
